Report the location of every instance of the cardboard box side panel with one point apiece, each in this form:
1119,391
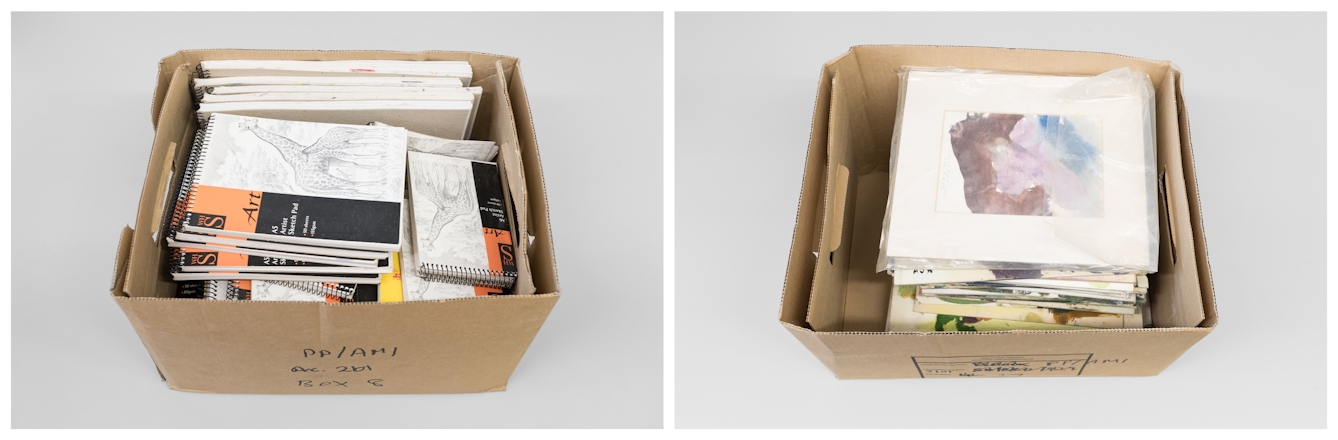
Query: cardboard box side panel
143,278
827,300
867,290
1195,214
1018,354
1174,294
482,63
803,242
502,131
415,347
121,264
544,261
143,331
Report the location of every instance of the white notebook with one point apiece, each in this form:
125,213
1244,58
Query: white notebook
343,95
446,119
205,85
227,68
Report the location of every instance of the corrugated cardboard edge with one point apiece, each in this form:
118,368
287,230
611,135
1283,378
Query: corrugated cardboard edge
820,343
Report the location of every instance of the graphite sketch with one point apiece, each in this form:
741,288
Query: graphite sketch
444,185
323,167
447,226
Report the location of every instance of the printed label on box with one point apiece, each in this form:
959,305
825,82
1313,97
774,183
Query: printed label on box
1041,365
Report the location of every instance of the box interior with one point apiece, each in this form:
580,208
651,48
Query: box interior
831,284
141,273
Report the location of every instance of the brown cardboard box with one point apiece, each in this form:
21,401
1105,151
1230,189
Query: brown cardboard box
836,305
451,346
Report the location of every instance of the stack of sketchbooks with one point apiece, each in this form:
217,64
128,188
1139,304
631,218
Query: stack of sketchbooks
1021,202
309,207
434,96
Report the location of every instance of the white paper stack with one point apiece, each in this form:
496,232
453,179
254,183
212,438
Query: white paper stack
430,97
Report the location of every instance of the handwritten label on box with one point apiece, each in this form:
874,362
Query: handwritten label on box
1042,365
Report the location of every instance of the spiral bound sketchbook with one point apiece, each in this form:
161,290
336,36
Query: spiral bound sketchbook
462,231
295,182
221,259
247,290
201,86
415,288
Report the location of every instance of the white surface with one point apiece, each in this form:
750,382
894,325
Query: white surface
77,362
745,91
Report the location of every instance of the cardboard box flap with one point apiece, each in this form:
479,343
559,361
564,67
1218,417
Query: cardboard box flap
1175,294
543,262
1209,296
120,265
165,159
804,243
502,130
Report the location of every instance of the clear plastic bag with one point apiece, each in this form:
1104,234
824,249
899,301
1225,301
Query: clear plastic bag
998,170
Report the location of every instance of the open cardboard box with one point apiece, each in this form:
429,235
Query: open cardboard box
836,304
448,346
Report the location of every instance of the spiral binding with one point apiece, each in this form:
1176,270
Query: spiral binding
199,71
178,214
467,275
223,290
192,175
339,290
178,259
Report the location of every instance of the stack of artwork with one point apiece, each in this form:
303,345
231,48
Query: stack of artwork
1020,201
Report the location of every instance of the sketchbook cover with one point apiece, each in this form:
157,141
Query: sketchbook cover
461,224
299,182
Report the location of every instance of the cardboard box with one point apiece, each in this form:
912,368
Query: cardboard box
451,346
836,304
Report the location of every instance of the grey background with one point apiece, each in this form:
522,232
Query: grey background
1254,88
83,84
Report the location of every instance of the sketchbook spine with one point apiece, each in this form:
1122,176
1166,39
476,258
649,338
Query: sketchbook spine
466,275
188,178
342,291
